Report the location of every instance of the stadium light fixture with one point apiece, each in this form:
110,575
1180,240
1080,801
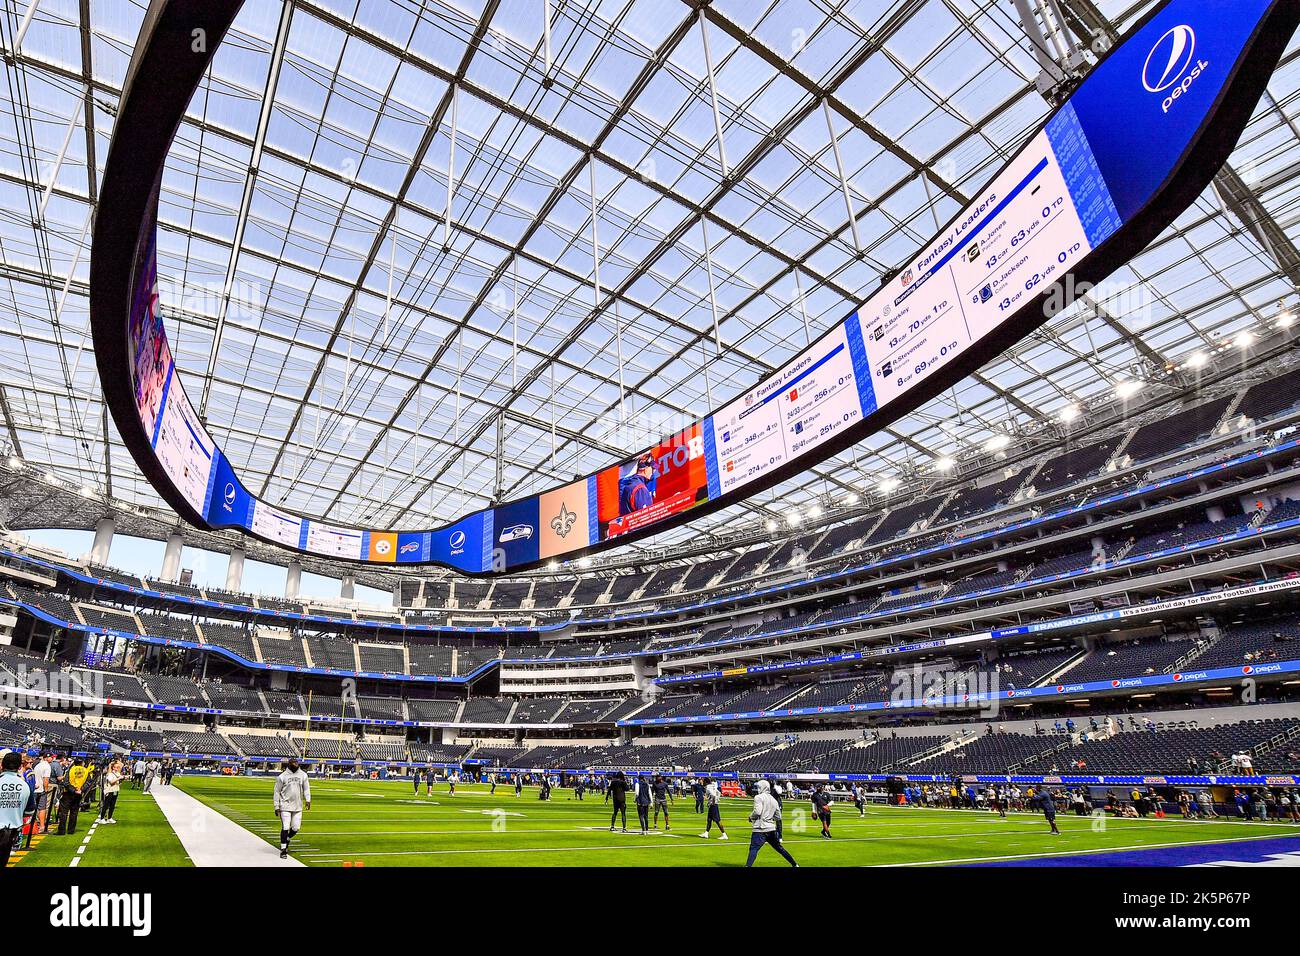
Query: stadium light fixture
1127,388
945,464
1069,413
15,461
852,498
794,519
997,443
770,525
1244,339
1286,319
888,485
815,512
1198,360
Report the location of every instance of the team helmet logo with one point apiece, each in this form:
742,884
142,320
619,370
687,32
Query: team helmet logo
1169,59
563,522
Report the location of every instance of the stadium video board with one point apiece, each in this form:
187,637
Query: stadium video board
1128,151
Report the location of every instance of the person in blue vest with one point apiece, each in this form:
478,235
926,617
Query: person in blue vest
637,490
17,800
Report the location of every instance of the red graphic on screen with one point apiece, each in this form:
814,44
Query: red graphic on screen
661,481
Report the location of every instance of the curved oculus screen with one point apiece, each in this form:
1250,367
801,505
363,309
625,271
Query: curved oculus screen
1100,162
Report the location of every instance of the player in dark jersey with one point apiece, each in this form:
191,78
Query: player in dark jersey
1047,804
662,795
821,801
617,791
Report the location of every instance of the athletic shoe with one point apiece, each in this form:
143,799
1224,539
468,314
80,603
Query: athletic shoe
705,835
611,829
724,837
284,854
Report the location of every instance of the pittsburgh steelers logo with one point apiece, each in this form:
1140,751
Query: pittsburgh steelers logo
383,546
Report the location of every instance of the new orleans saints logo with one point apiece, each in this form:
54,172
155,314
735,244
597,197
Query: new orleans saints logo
563,522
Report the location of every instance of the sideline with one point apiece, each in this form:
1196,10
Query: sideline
211,839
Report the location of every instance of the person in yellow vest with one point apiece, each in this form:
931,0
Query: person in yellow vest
74,782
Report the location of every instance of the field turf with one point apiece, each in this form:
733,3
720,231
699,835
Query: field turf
383,823
141,837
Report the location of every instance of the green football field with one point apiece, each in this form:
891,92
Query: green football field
383,823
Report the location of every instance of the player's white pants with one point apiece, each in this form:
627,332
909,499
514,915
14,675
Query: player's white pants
291,820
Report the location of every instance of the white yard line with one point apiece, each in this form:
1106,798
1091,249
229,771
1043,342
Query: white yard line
211,839
76,859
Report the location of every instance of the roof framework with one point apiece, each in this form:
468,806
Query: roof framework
388,292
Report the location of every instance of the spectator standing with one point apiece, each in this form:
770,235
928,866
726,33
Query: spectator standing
112,785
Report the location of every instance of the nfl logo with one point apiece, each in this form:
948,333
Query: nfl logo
907,277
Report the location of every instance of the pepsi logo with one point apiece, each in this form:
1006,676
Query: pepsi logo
457,540
1169,59
1172,66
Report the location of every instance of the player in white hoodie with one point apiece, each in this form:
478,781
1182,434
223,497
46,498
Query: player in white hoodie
765,818
292,796
712,796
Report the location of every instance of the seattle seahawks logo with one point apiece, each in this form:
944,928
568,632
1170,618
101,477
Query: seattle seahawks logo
563,522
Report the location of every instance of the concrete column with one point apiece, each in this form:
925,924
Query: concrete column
103,541
171,566
235,570
348,587
293,580
397,595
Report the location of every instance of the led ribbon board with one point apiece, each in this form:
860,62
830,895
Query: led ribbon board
1138,140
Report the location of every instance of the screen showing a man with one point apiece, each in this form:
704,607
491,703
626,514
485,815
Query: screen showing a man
636,490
